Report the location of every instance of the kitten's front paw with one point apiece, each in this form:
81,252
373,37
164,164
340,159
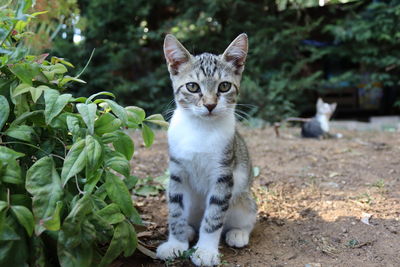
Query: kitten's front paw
171,249
205,257
237,238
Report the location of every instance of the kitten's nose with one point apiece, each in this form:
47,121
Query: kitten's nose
210,107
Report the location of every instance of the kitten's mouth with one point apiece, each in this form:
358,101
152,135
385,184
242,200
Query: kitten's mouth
210,115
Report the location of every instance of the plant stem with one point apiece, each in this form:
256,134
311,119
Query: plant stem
64,145
8,34
38,148
77,186
8,197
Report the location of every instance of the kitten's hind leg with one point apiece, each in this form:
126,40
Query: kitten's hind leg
240,220
191,233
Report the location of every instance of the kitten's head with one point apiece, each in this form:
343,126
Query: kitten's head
206,85
325,108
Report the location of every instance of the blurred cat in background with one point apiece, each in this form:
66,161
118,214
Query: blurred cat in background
318,126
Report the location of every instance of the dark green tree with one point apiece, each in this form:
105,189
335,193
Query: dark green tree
290,46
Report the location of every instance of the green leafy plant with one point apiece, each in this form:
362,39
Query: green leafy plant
152,185
65,175
181,259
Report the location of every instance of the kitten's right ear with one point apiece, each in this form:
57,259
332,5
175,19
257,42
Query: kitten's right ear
333,107
175,53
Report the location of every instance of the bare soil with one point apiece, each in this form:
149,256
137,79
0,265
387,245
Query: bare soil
312,196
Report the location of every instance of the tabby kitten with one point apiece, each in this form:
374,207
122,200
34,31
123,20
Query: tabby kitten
211,173
318,127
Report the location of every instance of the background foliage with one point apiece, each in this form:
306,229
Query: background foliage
294,48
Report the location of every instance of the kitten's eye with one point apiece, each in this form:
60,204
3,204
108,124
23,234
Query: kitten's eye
193,87
224,87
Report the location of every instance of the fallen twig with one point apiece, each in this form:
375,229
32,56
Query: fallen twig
277,125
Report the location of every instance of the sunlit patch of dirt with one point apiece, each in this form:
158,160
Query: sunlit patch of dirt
312,195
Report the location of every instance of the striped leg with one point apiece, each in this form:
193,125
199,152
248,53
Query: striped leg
211,227
178,204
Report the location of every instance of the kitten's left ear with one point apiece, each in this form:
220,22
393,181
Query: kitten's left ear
236,52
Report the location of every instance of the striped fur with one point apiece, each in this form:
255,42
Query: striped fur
210,167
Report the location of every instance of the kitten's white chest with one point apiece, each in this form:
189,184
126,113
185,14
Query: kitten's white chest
199,145
188,137
324,122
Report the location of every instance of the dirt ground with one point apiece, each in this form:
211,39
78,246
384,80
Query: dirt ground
315,198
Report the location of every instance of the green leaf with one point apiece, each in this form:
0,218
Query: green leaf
25,116
12,174
131,181
81,255
94,152
73,126
135,217
26,72
21,89
21,199
106,123
14,249
53,223
21,105
3,205
7,233
148,135
119,193
58,59
124,240
51,71
147,190
19,27
79,99
55,103
21,132
157,119
43,183
36,92
111,213
72,225
74,161
100,93
66,79
119,111
124,145
38,252
118,163
136,114
7,154
4,111
109,137
58,68
24,217
92,180
77,235
101,192
88,112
